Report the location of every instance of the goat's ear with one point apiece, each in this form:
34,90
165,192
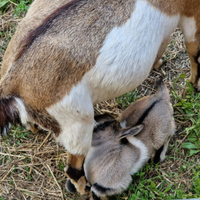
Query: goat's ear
104,117
131,131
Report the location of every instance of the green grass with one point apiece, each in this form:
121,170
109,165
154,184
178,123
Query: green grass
16,136
21,7
125,100
152,182
8,36
189,108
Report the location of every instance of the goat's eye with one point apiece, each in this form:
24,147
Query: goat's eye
102,127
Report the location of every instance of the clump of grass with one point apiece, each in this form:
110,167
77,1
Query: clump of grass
125,100
11,11
189,108
162,182
21,7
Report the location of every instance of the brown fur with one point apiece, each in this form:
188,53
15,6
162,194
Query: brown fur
44,26
8,113
70,65
169,7
38,11
81,187
45,120
75,161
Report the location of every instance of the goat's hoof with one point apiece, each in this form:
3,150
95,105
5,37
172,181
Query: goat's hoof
4,130
69,186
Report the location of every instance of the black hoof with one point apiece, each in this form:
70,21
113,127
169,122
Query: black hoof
156,158
4,130
196,90
69,186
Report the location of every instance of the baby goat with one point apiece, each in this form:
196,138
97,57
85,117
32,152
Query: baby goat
68,55
117,153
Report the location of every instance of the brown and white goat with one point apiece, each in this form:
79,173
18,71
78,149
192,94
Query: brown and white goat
117,153
68,55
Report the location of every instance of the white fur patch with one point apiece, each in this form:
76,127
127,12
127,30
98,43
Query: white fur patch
75,115
129,52
123,124
22,111
188,26
144,155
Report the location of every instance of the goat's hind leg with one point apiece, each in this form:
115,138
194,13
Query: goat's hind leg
161,152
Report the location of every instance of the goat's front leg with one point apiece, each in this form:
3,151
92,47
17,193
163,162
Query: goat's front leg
76,176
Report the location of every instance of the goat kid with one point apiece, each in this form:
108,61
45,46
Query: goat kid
117,153
68,55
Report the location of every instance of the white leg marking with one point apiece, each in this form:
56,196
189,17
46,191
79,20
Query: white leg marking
22,111
188,26
75,115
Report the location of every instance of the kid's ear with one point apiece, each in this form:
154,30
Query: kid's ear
102,118
131,131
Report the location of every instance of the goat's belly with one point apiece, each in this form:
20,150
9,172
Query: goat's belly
115,81
129,52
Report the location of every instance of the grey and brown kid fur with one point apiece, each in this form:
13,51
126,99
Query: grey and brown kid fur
117,153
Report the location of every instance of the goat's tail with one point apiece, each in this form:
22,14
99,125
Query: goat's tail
9,114
162,90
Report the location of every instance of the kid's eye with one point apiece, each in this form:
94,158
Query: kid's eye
102,127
